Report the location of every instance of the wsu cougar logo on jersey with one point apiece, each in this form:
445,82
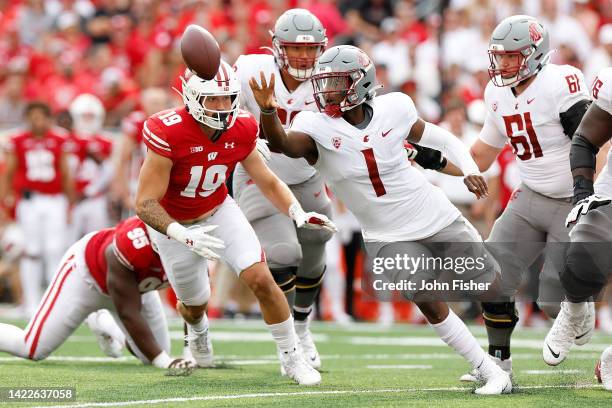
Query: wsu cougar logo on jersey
337,141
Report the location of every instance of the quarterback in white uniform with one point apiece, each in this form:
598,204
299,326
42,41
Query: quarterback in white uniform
535,107
588,266
356,143
296,257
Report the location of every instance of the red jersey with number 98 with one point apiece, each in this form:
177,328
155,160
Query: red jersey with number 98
132,247
200,167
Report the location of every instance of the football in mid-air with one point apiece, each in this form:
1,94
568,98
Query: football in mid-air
200,51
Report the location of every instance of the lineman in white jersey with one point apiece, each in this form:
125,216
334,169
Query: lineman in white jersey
356,143
535,107
296,257
588,262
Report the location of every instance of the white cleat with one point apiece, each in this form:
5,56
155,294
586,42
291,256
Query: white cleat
298,369
110,338
474,375
585,332
309,350
562,335
496,381
605,368
201,347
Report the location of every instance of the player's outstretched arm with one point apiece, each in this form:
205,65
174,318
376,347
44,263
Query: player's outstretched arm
294,144
435,137
123,290
281,196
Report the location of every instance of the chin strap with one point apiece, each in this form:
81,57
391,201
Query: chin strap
220,132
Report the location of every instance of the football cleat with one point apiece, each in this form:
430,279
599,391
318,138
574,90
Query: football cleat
585,332
201,347
496,381
562,335
296,368
309,350
109,336
474,375
605,369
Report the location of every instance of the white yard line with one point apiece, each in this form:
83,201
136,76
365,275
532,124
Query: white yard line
400,366
303,393
553,372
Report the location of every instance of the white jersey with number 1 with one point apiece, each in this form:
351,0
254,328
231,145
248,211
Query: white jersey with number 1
530,123
602,97
368,171
291,171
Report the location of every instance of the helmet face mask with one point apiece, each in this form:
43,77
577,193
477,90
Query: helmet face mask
344,77
298,28
196,91
334,92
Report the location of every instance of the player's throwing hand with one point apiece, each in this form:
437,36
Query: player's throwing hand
310,220
264,93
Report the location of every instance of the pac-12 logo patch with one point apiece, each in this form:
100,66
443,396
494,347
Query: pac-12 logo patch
337,141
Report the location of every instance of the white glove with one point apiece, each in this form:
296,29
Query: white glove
263,149
310,220
197,239
177,367
584,206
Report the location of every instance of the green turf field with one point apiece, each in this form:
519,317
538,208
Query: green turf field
364,365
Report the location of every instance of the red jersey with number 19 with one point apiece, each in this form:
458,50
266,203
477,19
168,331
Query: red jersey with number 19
200,167
132,247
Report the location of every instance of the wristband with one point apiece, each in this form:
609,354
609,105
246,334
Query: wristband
176,231
271,111
295,209
162,360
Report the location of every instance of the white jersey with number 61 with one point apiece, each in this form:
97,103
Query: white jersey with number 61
369,171
531,124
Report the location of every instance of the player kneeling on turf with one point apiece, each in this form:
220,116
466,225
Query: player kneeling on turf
114,269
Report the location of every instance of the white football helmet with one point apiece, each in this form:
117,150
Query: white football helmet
196,90
87,113
12,243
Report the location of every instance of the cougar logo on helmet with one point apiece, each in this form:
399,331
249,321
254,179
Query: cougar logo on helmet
534,32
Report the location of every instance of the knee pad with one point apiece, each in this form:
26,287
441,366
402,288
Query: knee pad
197,299
499,315
309,285
284,278
283,254
582,278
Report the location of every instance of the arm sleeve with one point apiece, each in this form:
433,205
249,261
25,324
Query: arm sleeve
155,139
438,138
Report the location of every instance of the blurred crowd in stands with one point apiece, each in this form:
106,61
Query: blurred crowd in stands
126,52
